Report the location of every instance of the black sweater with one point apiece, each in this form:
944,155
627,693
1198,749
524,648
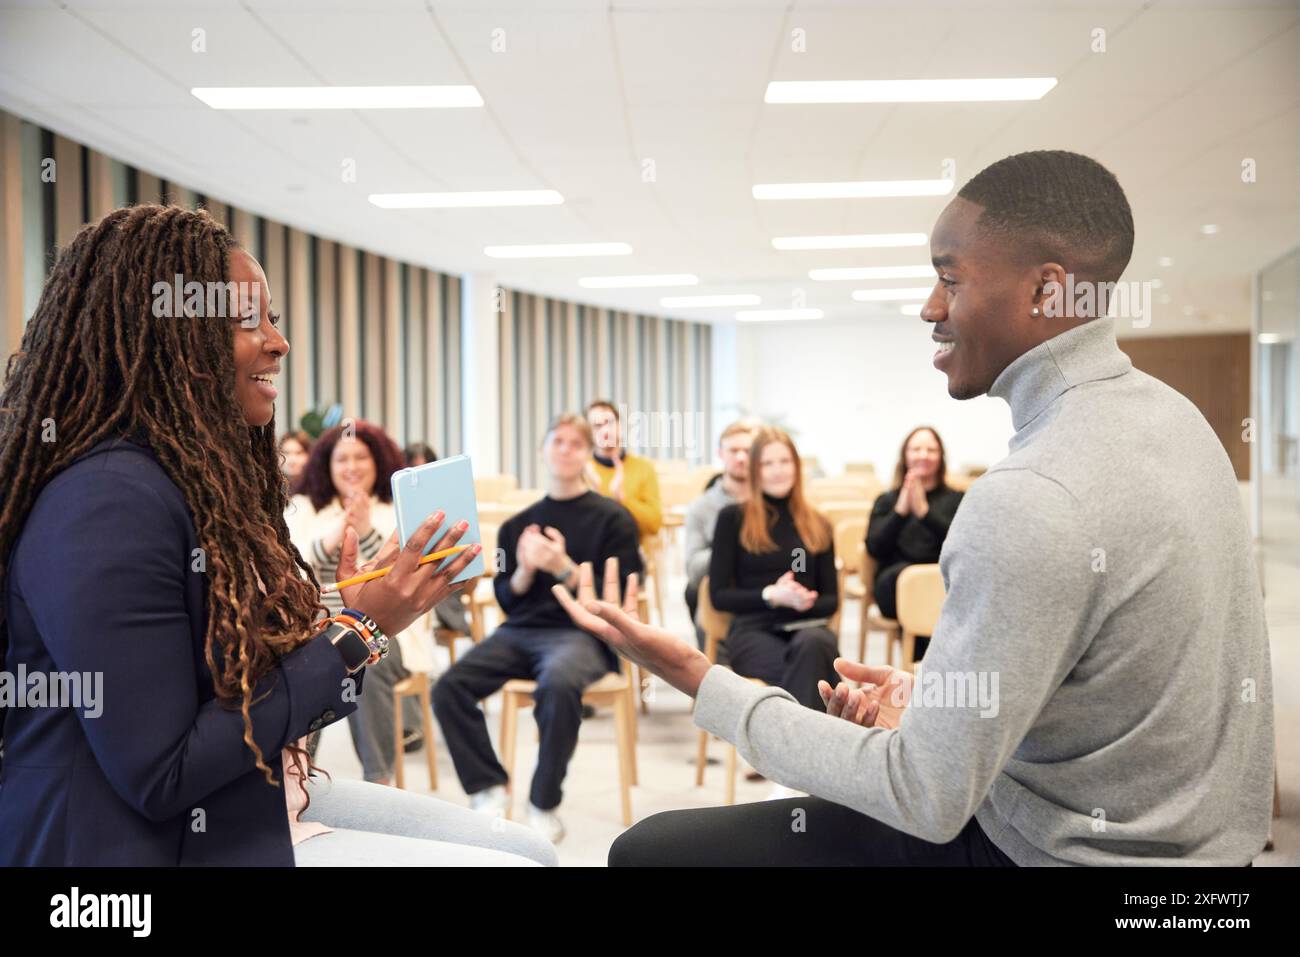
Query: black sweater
594,528
894,538
737,577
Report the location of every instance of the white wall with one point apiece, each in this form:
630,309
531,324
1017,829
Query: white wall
853,389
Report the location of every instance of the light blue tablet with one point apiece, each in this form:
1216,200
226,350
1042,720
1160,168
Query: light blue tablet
447,484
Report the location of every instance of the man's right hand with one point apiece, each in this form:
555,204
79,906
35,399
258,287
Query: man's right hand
879,703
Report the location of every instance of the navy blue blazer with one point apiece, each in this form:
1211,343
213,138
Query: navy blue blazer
101,580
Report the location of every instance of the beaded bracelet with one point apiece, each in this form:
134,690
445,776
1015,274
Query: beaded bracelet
369,630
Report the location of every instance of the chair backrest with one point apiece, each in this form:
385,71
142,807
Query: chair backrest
675,489
919,597
487,533
715,623
671,466
497,514
855,468
493,488
850,533
959,483
523,497
838,511
848,488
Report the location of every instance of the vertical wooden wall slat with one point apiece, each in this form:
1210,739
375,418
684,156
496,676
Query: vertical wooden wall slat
390,372
301,326
274,263
327,311
431,363
414,358
452,392
509,384
11,234
350,331
67,190
372,330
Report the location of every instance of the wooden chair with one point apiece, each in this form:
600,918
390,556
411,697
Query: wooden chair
859,468
715,624
838,512
522,497
849,536
415,684
614,690
871,619
655,557
920,600
492,488
480,596
496,513
958,483
845,489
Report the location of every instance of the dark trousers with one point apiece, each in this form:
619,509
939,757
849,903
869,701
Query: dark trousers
795,832
794,661
886,594
563,661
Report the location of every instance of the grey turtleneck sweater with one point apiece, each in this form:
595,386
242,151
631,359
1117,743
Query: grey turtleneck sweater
1104,621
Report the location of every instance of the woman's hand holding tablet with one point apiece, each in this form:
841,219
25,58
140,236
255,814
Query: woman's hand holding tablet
410,589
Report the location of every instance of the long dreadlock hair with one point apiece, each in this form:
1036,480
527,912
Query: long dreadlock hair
97,360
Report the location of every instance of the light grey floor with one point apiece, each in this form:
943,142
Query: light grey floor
666,749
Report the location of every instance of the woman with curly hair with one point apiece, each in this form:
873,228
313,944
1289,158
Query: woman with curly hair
347,481
143,550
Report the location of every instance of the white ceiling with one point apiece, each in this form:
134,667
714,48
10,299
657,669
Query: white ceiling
586,91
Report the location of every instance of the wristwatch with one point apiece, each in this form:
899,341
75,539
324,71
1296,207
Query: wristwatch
568,573
354,649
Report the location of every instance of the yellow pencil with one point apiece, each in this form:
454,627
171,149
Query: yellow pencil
381,572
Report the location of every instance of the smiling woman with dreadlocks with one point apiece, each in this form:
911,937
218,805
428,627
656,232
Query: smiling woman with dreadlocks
143,547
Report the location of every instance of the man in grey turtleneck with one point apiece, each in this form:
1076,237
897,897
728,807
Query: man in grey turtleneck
1098,688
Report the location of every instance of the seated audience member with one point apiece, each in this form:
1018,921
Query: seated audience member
909,523
729,488
773,567
295,447
628,479
418,453
541,546
346,482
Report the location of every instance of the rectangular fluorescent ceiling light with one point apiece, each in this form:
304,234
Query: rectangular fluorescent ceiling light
691,302
638,282
557,250
873,272
867,241
338,97
774,315
909,91
865,189
499,197
890,295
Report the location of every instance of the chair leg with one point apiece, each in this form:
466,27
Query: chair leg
909,649
509,732
731,774
862,629
640,685
426,717
623,735
399,768
701,758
